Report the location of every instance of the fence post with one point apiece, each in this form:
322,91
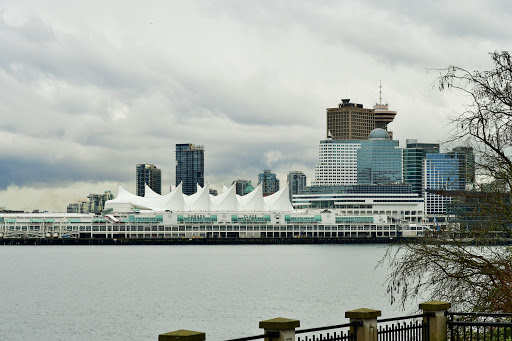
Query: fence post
437,322
368,331
285,327
182,335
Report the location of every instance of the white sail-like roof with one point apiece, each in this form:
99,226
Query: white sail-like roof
280,200
174,201
149,193
201,201
254,201
227,200
224,188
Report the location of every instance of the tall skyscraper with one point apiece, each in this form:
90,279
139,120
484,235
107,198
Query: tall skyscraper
414,155
241,185
349,121
469,164
150,175
189,167
269,181
444,172
379,160
296,182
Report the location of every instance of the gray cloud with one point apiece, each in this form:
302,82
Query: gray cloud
91,89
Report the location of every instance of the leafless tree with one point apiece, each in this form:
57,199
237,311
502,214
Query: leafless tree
465,263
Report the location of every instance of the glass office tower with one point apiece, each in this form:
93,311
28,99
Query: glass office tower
414,155
269,181
469,163
379,160
189,167
444,173
150,175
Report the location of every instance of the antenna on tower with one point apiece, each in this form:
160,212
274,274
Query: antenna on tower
380,93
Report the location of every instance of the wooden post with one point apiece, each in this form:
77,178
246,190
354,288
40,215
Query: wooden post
285,327
182,335
437,323
368,331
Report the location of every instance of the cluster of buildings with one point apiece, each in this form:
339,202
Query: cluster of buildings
95,203
190,173
362,169
365,185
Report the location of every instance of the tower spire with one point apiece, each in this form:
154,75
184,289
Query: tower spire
380,93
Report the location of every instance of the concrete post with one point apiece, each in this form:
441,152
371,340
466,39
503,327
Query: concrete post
285,327
368,331
437,322
182,335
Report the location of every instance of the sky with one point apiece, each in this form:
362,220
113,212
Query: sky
91,88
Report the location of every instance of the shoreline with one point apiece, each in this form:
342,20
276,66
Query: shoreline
194,241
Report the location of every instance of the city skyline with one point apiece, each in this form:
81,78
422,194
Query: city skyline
87,99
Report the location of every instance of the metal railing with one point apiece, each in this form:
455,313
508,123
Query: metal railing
409,328
339,335
479,326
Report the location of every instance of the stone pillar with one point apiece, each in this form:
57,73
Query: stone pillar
285,327
182,335
368,331
437,322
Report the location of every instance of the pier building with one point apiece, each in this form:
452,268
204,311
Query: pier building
202,215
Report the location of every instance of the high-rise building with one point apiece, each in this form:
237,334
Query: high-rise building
470,163
379,160
269,181
444,173
349,121
296,182
189,167
150,175
414,155
240,186
78,207
337,163
96,202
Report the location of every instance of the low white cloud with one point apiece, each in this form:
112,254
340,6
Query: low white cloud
272,156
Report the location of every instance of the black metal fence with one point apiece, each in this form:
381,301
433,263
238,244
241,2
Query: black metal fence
343,332
479,326
405,328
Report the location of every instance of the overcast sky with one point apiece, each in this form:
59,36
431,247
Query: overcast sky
91,88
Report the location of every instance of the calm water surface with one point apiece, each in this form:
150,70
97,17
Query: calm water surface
138,292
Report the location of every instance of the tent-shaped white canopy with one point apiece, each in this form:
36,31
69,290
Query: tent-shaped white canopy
202,201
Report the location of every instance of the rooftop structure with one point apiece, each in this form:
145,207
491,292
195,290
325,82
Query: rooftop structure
349,121
201,201
383,116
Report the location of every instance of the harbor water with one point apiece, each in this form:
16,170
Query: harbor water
138,292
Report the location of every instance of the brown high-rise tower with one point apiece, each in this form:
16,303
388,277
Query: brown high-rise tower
350,121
